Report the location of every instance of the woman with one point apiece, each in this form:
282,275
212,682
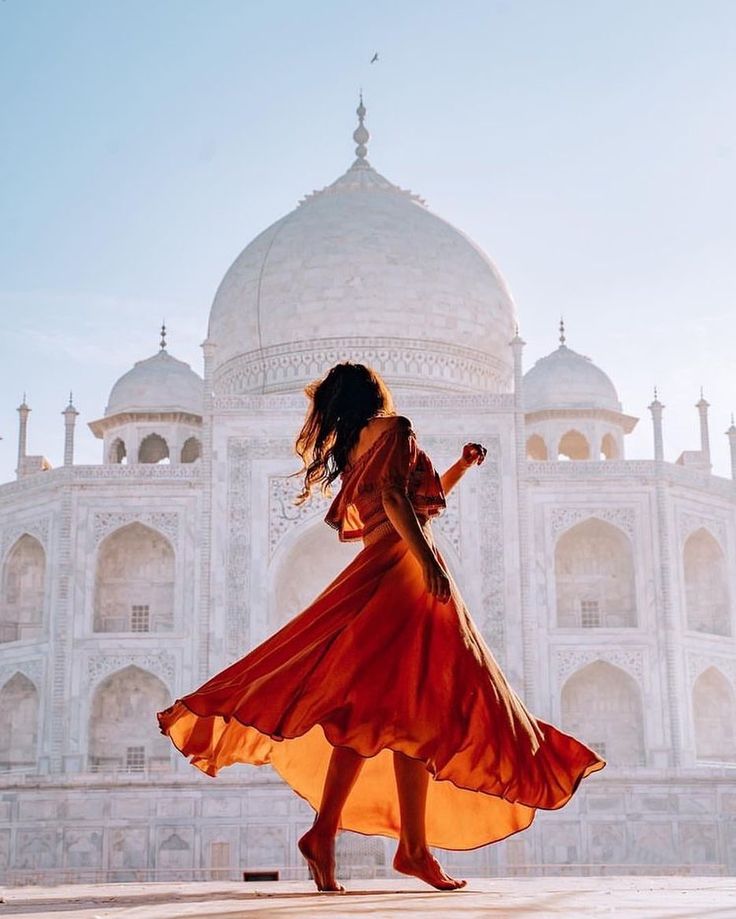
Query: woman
384,680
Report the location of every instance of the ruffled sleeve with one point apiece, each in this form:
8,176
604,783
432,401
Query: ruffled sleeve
393,461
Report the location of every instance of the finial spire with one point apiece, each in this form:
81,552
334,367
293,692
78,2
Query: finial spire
361,136
562,330
163,335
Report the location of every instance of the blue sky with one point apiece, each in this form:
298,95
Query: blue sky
589,147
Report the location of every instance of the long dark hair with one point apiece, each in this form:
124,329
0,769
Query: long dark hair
340,405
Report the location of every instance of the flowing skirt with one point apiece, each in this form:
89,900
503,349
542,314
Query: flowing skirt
377,664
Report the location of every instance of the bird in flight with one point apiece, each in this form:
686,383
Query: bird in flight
374,58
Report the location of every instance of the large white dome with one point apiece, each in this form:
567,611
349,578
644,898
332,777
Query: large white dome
362,270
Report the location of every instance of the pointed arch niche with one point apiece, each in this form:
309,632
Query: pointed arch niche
573,446
306,566
19,703
714,717
601,704
536,448
594,577
706,584
153,449
123,733
23,590
134,581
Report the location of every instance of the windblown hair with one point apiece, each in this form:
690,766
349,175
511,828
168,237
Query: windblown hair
341,404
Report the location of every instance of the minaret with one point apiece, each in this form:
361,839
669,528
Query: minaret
361,136
70,417
23,412
517,346
731,434
656,409
702,407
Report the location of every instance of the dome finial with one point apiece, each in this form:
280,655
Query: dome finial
163,335
562,331
361,135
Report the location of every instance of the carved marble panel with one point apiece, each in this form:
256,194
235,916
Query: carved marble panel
160,663
166,522
569,660
562,518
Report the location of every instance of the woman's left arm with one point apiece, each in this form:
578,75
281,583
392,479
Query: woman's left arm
473,455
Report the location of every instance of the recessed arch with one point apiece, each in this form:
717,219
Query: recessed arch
19,706
706,584
609,447
307,564
602,706
153,449
191,451
23,590
117,454
536,448
714,717
134,581
594,577
123,733
573,446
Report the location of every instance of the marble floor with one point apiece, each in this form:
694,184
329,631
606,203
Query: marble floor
531,898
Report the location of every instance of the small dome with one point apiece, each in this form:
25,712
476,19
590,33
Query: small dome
157,384
566,379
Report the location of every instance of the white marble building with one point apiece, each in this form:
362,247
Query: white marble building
605,586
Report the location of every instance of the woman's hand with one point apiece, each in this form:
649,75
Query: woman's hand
436,579
473,454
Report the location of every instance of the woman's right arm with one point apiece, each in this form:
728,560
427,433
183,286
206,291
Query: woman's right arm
400,512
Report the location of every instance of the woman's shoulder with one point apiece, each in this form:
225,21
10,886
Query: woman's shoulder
392,422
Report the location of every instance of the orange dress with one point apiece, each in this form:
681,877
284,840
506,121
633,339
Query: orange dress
376,663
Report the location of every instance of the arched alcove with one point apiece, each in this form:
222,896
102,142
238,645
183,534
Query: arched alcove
609,447
134,582
23,590
601,705
307,566
123,733
573,446
706,584
191,450
594,577
536,448
714,717
153,449
18,723
117,453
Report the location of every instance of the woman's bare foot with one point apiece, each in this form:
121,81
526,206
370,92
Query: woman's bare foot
422,864
319,851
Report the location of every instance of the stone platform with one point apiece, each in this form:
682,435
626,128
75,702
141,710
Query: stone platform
503,898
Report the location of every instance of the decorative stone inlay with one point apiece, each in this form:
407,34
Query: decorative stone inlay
568,660
410,401
698,662
166,522
160,663
562,518
283,514
32,668
292,365
688,523
38,527
490,514
240,456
